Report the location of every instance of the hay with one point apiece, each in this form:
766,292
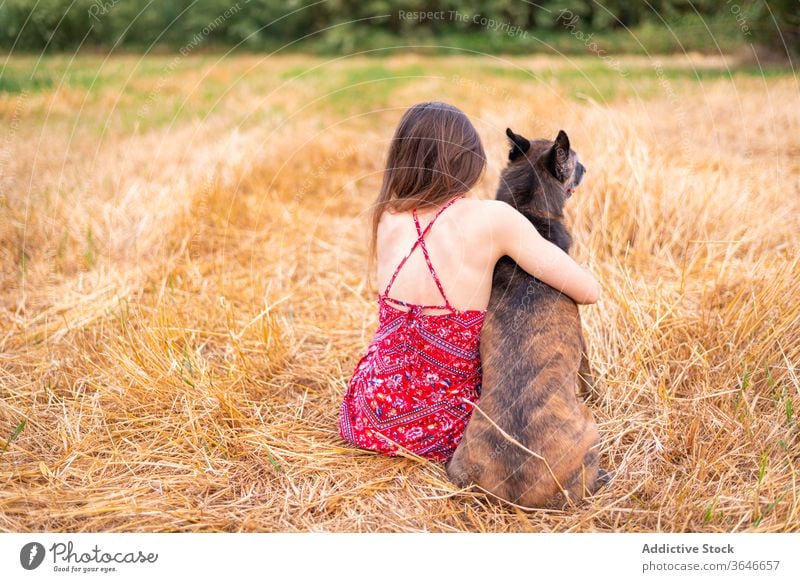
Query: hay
181,368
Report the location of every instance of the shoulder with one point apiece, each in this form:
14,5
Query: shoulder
488,217
475,215
485,208
496,223
388,220
488,205
491,215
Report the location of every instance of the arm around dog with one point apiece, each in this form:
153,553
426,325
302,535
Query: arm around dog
516,237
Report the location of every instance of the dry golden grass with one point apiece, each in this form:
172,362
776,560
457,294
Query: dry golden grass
183,303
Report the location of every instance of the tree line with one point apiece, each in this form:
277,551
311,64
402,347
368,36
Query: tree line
65,25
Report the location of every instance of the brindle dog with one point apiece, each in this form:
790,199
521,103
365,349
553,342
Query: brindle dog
533,356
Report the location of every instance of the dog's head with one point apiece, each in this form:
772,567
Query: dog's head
541,174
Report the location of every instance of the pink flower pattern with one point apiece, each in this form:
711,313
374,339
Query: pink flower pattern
408,392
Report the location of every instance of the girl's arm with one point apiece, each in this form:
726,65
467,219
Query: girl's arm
516,237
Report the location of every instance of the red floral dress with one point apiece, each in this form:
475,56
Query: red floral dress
412,389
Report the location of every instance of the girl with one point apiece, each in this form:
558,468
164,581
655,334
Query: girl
408,391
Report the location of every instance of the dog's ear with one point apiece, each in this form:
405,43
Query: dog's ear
558,157
519,145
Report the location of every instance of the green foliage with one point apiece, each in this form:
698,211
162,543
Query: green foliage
17,431
777,24
350,25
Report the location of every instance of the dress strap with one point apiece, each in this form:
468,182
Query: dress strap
421,241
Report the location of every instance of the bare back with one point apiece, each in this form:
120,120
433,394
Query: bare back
461,250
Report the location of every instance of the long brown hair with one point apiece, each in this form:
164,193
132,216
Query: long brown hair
434,155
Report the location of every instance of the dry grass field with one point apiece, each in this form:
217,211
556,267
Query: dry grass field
184,291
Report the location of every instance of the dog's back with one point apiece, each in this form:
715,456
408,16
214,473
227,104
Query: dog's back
530,441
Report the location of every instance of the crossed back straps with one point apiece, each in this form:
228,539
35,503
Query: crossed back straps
421,242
